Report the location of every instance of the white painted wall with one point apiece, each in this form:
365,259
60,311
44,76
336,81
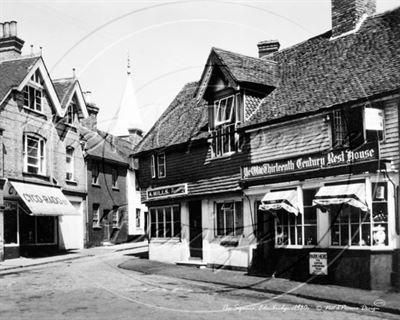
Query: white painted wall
134,202
71,228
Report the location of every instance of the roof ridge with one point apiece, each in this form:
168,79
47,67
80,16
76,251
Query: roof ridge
21,58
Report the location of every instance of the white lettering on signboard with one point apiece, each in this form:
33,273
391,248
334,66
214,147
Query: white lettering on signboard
318,263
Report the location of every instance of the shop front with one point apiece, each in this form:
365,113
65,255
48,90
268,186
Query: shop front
327,224
31,219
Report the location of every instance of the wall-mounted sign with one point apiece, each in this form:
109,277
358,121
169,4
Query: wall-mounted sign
318,263
366,152
373,118
167,191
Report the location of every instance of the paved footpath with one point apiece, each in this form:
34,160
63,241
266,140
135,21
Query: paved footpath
386,301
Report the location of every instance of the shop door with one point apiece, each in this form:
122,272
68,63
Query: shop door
265,240
107,227
195,230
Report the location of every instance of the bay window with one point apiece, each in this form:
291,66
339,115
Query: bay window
34,154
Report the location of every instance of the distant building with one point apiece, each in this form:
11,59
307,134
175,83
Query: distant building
286,164
42,201
115,212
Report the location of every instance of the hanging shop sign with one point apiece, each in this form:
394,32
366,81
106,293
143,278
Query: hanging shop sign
318,263
167,191
366,152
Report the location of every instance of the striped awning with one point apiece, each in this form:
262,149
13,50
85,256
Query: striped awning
284,199
350,194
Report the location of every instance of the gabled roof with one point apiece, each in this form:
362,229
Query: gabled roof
13,72
321,73
181,122
100,147
239,70
66,88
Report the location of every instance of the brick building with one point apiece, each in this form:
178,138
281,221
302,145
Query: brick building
285,164
42,168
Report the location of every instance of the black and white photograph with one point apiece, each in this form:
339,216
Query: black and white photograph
199,159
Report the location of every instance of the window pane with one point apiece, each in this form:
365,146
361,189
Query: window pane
160,215
45,229
366,234
168,220
344,233
380,234
220,220
299,236
153,223
10,226
177,221
310,235
308,196
379,212
27,228
239,218
335,235
292,235
229,216
355,234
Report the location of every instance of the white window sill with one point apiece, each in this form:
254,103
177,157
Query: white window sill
163,240
39,113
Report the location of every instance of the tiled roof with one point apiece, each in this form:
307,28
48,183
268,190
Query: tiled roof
251,105
13,72
64,88
100,147
248,69
320,73
181,121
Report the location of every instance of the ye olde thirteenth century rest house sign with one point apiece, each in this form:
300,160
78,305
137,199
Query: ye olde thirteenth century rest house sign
366,152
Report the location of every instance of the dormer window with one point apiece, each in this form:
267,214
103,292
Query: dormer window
33,93
72,113
223,118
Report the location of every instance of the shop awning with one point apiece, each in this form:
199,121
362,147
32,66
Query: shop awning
44,201
350,194
285,199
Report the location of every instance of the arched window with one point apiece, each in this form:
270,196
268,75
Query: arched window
69,153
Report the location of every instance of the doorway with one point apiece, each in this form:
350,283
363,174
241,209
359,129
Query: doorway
195,230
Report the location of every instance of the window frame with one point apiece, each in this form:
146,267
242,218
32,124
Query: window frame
41,154
158,168
154,225
71,163
224,229
95,177
114,178
224,136
33,93
96,214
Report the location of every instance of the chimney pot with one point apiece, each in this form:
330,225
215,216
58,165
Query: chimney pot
267,47
13,28
6,30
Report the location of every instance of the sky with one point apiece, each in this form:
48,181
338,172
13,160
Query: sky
168,42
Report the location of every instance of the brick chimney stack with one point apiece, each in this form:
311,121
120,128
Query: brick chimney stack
267,47
348,14
10,44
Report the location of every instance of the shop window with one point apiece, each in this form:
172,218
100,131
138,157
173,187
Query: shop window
229,218
350,226
37,229
114,178
223,118
96,215
69,160
158,166
34,154
165,222
95,173
11,223
297,230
